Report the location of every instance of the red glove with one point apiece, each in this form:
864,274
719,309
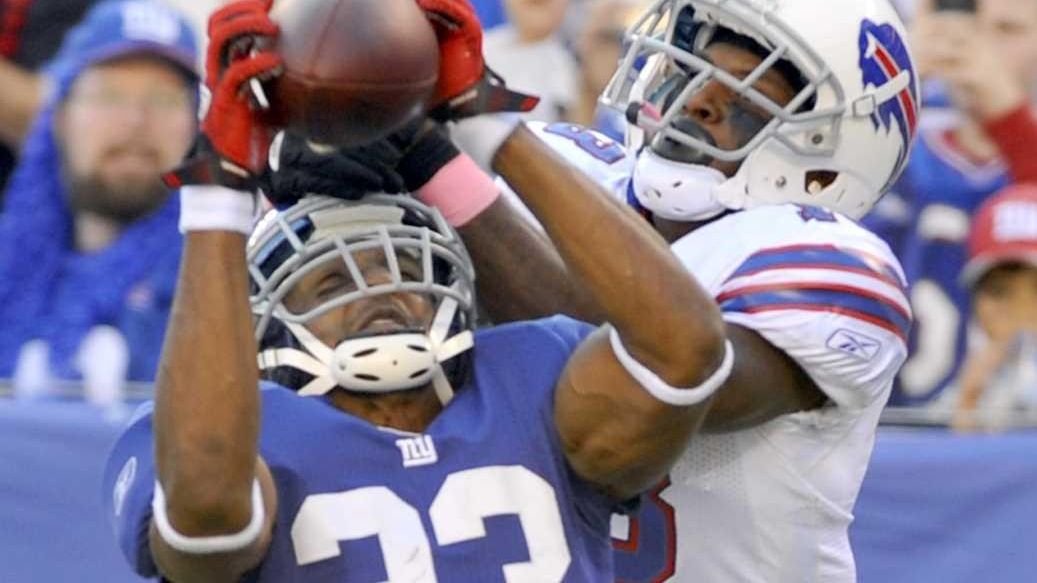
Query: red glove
236,133
467,87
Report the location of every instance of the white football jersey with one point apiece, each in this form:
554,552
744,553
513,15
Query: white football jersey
773,503
595,154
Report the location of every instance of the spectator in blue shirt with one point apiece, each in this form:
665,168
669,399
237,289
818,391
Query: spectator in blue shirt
88,235
491,12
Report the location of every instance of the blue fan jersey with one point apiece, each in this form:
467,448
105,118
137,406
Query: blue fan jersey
925,220
144,315
484,494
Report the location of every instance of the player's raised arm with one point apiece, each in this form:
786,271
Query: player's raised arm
636,390
506,248
214,500
631,397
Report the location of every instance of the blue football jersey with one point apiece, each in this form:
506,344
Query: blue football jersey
925,220
484,494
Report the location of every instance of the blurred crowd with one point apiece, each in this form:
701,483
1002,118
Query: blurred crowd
976,139
88,237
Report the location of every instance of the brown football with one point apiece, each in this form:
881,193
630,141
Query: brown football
355,70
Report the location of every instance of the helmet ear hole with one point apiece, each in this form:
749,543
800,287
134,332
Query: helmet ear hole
816,181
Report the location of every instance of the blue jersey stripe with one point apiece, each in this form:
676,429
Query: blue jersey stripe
868,309
819,257
635,204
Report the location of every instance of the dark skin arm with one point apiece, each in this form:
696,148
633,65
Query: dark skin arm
765,383
615,433
207,413
506,248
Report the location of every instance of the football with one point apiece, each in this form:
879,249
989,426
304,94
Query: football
354,70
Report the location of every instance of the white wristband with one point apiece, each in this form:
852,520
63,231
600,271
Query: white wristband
208,545
216,208
658,388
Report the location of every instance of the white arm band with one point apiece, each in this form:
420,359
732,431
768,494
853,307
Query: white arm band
207,545
216,208
658,388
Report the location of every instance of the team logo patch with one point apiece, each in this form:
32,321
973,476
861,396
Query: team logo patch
813,213
417,451
141,297
887,68
145,21
855,344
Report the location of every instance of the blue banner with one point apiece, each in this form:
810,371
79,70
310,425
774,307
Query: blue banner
935,507
942,508
52,527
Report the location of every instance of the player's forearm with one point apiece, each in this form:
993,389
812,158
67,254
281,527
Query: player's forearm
667,321
207,402
507,249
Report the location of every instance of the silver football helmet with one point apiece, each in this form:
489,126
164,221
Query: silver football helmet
287,245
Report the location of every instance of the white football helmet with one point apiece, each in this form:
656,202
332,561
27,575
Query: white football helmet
840,143
318,230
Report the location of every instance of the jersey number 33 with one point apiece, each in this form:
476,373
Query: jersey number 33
456,515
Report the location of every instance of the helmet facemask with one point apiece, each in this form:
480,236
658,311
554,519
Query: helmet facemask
322,232
670,47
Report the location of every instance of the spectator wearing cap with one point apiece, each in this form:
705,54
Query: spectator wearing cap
1000,370
88,237
982,140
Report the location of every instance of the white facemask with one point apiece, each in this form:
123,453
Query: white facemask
383,363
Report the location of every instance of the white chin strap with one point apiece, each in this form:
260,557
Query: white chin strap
383,363
675,190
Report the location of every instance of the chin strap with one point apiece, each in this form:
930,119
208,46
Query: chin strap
677,191
379,363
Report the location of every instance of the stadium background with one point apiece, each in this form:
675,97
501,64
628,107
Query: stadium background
935,506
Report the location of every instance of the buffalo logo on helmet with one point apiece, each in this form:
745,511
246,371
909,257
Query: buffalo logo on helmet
885,60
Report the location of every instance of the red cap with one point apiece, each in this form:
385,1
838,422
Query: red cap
1003,229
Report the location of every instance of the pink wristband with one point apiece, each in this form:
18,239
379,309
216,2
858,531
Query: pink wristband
460,190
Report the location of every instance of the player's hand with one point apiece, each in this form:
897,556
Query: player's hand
466,87
425,148
404,161
235,131
297,168
238,35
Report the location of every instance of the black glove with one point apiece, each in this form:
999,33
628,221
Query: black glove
297,169
425,151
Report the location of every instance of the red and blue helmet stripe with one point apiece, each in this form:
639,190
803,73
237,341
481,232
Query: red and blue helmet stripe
883,58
